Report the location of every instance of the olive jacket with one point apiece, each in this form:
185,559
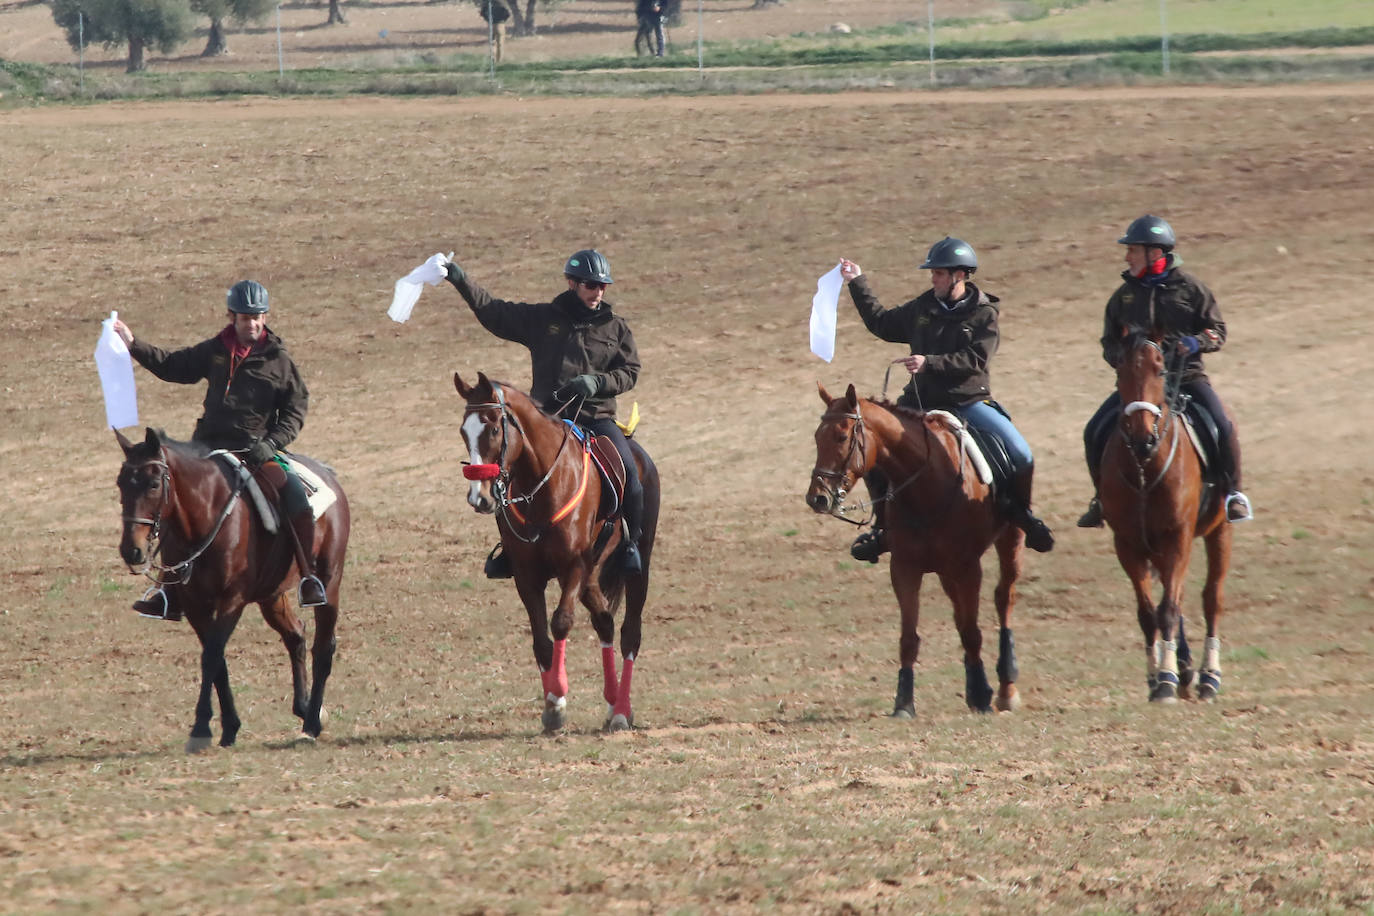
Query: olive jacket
1174,302
958,343
263,397
565,340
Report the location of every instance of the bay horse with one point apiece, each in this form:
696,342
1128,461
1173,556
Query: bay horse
941,519
185,525
1156,499
531,471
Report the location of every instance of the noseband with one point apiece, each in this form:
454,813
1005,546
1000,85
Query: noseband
178,572
833,481
1157,433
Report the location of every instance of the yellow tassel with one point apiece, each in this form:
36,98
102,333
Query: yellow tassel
628,427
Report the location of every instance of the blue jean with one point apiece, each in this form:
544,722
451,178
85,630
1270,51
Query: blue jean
984,417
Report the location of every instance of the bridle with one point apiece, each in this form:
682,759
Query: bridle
1170,427
858,444
177,573
507,504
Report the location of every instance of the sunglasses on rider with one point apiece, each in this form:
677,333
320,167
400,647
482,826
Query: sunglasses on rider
592,284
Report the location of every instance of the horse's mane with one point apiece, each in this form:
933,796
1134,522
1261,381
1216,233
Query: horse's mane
142,451
901,411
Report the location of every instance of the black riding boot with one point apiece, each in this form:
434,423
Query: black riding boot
1094,444
497,565
871,545
630,560
1038,536
311,592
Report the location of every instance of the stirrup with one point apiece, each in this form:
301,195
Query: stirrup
868,546
1238,507
497,565
1093,517
154,604
315,598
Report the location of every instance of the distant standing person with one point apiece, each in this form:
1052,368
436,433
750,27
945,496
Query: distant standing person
951,330
649,14
495,13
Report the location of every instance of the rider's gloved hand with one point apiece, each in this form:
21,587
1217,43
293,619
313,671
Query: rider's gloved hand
261,451
455,272
1189,345
583,386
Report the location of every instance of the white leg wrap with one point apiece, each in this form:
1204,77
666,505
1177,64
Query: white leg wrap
1211,654
1168,655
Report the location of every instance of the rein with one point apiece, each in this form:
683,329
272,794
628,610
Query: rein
858,442
1173,405
506,504
177,573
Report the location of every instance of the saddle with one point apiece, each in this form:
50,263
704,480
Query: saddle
268,502
610,468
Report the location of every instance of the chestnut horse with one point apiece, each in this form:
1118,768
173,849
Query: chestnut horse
941,519
1156,500
530,470
187,527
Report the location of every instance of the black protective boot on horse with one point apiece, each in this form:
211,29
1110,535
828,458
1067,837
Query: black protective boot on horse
870,545
1018,509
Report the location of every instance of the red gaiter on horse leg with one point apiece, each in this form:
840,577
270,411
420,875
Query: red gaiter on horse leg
556,678
622,701
609,678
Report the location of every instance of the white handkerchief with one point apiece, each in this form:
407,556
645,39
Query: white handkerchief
824,307
116,368
408,288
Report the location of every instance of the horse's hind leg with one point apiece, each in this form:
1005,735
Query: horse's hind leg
962,587
1004,597
322,655
1218,564
283,619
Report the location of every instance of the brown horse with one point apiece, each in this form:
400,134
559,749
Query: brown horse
1156,500
185,525
531,471
941,519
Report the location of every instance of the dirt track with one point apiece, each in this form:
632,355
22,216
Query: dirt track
764,774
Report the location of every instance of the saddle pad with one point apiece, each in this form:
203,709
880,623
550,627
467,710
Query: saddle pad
966,443
317,492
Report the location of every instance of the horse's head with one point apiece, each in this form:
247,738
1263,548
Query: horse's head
842,456
493,438
145,494
1140,383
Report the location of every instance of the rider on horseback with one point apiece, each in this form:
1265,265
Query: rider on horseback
255,404
1158,293
580,351
952,331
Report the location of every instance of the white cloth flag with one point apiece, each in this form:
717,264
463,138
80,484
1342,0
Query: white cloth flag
824,308
408,287
116,370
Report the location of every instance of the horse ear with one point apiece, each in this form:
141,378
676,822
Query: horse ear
482,381
151,440
825,395
458,383
852,396
124,442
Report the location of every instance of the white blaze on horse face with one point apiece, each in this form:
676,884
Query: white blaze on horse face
472,430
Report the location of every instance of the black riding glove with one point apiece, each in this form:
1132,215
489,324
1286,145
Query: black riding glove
261,451
455,272
583,386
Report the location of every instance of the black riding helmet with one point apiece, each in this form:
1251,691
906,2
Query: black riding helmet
248,297
588,264
1151,231
951,253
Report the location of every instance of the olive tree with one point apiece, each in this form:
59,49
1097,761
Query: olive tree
240,11
161,24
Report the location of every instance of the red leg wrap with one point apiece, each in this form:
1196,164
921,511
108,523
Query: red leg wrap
608,674
556,678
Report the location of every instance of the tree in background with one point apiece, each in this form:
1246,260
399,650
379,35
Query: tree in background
161,24
240,11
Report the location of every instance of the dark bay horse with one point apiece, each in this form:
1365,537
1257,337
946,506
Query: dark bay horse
941,519
184,521
1154,497
532,472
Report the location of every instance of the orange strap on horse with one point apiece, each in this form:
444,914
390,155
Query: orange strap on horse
572,503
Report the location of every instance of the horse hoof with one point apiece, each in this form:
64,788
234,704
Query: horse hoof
198,745
553,719
1164,694
618,723
903,712
1009,703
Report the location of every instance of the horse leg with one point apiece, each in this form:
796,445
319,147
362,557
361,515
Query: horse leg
906,584
214,674
1004,597
283,619
322,657
1137,568
1173,567
1218,544
962,587
1184,654
548,654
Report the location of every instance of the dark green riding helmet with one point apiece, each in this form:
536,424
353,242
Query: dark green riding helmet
951,253
248,297
1151,231
588,264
